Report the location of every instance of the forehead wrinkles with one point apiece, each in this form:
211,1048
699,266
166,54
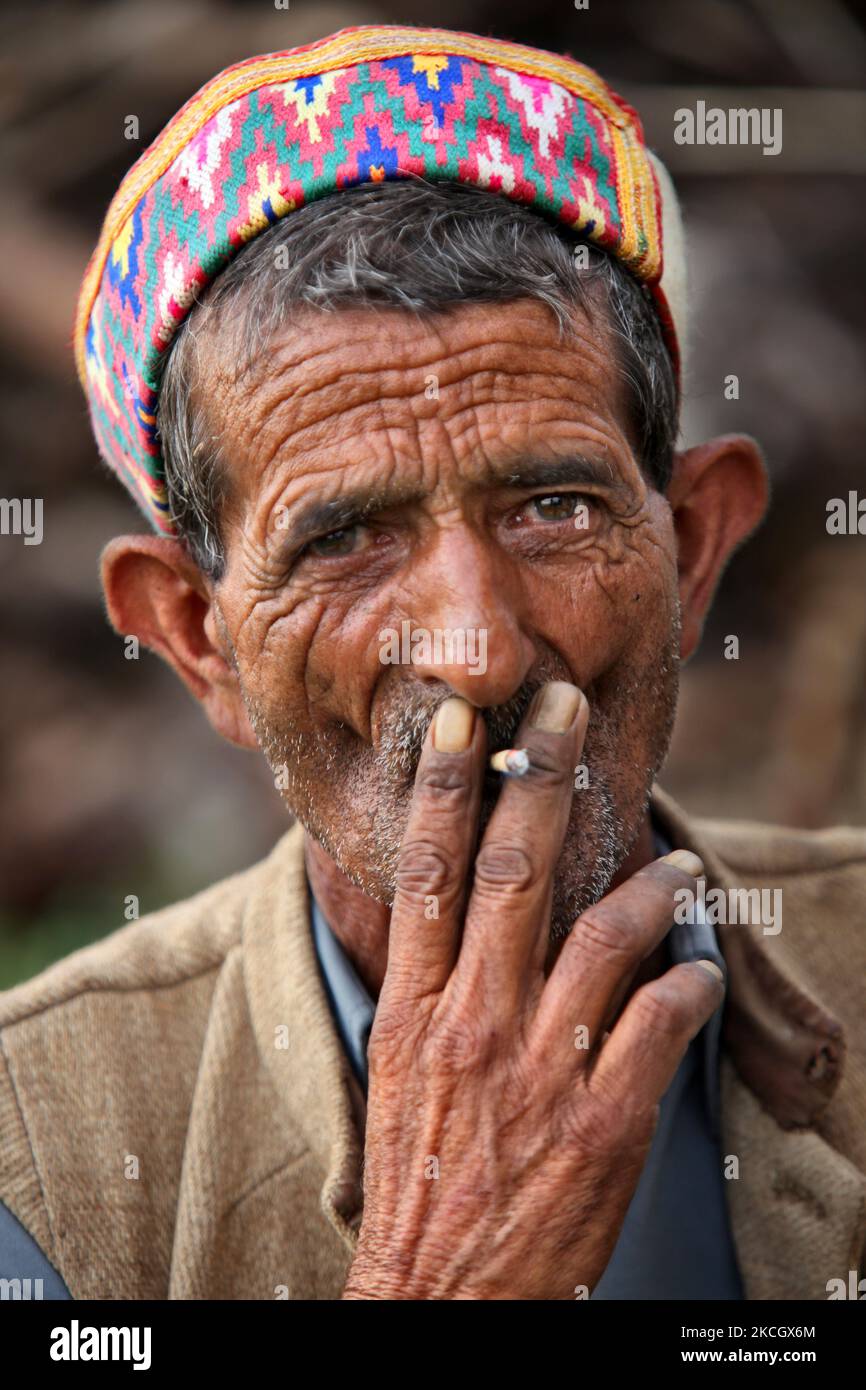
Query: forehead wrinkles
313,397
341,382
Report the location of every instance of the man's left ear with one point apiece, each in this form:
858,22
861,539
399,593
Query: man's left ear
718,494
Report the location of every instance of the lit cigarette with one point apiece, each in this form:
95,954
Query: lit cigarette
514,762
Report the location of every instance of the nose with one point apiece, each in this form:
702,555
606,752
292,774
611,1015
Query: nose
466,623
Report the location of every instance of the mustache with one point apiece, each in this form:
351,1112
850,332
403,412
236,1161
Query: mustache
404,729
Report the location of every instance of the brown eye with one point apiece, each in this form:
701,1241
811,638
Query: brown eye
336,543
556,506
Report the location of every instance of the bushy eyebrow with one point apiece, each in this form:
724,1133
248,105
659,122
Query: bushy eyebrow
577,469
314,519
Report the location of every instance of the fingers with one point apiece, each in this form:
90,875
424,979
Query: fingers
641,1056
507,920
435,855
604,950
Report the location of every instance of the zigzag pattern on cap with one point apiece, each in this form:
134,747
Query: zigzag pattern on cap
366,104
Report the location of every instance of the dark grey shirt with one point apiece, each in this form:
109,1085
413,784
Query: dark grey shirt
676,1240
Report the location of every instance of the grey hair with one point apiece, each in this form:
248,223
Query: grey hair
416,245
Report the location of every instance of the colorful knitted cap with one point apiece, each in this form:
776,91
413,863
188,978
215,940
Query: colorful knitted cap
365,104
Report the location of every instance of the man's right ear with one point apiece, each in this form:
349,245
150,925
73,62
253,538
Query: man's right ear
156,592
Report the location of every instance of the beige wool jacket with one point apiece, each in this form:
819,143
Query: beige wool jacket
196,1049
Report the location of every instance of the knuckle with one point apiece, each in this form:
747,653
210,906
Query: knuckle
457,1044
661,1009
423,867
604,1124
501,866
600,1123
549,771
446,781
451,1050
601,931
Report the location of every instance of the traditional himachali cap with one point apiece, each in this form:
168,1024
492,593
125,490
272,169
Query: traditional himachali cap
368,103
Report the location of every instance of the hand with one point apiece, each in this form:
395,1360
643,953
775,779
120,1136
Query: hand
500,1157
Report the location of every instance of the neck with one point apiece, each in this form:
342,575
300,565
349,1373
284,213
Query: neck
361,924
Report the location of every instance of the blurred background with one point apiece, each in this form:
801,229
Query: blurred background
111,782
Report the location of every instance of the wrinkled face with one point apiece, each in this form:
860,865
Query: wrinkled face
426,509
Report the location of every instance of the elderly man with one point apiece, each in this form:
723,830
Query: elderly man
385,336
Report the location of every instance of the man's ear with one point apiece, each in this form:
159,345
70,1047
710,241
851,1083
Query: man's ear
718,494
155,592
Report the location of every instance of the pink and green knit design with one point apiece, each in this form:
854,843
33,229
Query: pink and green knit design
367,104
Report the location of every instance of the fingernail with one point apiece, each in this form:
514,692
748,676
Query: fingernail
555,708
684,859
713,969
453,726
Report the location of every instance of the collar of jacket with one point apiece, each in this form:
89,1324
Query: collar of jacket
797,1200
785,1045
